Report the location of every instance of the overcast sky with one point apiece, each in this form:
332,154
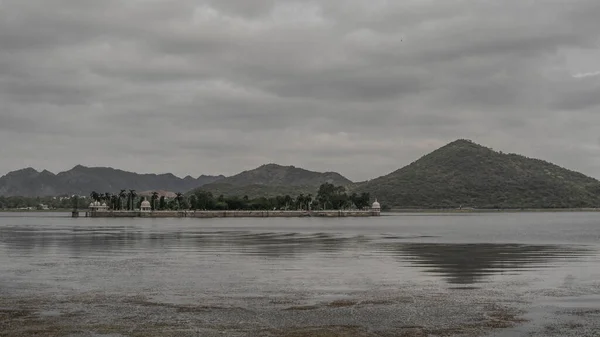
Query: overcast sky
353,86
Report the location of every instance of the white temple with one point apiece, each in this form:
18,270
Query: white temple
96,206
145,206
376,207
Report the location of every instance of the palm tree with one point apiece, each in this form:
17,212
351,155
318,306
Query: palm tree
300,202
154,198
179,198
308,199
95,196
132,196
122,195
288,200
114,202
107,197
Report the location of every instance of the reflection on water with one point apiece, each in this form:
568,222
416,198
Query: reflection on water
471,263
118,240
342,256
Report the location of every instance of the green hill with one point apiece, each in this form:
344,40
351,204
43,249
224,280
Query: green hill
256,190
466,174
273,180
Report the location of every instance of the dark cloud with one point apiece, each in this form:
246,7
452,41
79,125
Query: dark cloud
360,87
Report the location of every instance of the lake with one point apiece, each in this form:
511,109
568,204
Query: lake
479,274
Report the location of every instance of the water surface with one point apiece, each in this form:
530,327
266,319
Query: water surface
276,264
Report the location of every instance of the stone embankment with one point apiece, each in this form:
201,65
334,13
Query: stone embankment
230,214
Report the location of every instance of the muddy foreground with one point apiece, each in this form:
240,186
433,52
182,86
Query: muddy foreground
425,312
421,313
410,311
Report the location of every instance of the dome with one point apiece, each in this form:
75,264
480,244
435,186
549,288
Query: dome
91,204
376,205
103,204
145,203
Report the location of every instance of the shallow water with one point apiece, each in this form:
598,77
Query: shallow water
543,263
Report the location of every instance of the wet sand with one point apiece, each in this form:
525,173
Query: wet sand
405,313
398,276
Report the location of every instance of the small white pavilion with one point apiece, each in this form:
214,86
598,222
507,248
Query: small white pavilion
376,207
145,206
97,206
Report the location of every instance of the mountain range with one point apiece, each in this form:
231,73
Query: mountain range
82,180
459,174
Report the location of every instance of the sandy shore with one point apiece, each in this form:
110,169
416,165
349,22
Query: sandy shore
416,312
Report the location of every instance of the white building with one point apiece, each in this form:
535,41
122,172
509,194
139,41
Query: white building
376,207
96,206
145,206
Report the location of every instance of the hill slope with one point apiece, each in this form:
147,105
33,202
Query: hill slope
272,180
468,174
82,180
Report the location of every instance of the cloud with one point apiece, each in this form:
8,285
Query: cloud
362,88
584,75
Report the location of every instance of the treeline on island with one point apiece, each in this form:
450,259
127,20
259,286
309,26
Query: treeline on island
328,196
61,202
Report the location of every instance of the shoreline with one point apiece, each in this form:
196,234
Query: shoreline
490,210
389,212
226,214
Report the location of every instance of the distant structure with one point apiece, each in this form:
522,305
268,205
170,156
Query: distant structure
145,206
96,206
376,208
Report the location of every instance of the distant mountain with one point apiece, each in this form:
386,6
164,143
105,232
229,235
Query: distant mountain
273,179
273,175
82,180
161,193
468,174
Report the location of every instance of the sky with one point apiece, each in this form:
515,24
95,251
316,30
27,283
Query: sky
357,87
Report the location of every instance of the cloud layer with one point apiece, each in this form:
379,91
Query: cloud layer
359,87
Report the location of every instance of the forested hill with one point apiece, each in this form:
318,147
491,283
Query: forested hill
466,174
272,180
278,175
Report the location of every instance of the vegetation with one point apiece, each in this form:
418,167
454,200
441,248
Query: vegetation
465,174
39,203
328,196
256,190
278,175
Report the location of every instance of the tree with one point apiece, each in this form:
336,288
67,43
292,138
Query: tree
162,203
131,199
193,202
204,200
107,199
154,198
300,200
331,196
122,196
288,200
95,196
179,199
114,202
75,201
